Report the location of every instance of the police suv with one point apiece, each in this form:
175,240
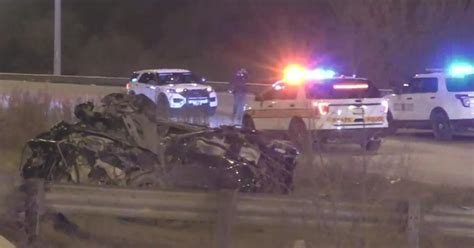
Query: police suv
441,100
173,90
321,107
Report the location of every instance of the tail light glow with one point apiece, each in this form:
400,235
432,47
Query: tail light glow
350,86
323,107
129,86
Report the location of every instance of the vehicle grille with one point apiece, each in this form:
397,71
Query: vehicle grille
195,93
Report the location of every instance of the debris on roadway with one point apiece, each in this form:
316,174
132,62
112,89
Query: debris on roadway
124,142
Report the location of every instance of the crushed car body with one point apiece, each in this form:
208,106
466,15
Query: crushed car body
123,142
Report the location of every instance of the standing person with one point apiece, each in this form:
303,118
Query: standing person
239,90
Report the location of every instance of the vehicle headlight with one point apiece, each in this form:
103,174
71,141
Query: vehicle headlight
209,89
171,90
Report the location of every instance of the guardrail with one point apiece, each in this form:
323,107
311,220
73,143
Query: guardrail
119,81
104,81
227,208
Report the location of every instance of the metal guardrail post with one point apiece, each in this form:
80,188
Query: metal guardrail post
226,208
34,208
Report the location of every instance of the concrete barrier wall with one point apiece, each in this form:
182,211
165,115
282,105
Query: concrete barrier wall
104,81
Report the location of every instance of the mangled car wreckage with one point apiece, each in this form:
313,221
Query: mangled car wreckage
122,142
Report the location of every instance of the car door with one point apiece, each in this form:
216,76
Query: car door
274,112
147,85
142,83
421,98
151,87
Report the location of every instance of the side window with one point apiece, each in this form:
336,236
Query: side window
145,78
281,92
421,85
148,78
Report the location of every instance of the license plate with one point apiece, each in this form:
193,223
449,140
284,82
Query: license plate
358,111
375,119
195,103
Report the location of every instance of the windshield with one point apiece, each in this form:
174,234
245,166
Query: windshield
460,84
177,78
342,89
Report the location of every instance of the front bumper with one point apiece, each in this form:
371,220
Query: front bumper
178,101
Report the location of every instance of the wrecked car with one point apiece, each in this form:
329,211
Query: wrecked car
124,142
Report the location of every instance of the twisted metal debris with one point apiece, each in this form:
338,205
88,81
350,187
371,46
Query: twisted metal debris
122,142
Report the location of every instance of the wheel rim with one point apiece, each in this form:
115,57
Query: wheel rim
441,126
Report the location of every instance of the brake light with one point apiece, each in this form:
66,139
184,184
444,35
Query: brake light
323,107
129,86
350,86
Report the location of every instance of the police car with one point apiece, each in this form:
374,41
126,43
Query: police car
173,90
441,100
315,105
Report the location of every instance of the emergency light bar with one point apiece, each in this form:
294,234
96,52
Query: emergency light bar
460,70
296,74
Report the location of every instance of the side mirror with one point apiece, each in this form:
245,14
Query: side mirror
259,98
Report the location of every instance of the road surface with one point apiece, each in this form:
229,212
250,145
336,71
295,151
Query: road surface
409,154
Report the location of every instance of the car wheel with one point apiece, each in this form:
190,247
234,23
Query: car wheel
300,135
372,145
132,93
441,126
247,123
162,108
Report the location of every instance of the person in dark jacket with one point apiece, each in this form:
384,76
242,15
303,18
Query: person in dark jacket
239,90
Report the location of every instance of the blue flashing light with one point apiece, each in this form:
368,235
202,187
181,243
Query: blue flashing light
461,70
321,73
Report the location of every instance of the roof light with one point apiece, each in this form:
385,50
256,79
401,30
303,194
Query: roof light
320,73
460,70
350,86
294,74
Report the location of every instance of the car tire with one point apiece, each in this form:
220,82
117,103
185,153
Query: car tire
300,136
441,126
247,123
162,108
132,93
372,145
211,111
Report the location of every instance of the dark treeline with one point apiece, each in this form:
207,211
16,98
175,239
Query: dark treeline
381,39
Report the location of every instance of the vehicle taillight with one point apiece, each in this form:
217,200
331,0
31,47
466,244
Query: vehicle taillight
465,100
323,107
129,86
385,106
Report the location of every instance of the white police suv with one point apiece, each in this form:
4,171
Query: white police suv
441,100
173,90
315,105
